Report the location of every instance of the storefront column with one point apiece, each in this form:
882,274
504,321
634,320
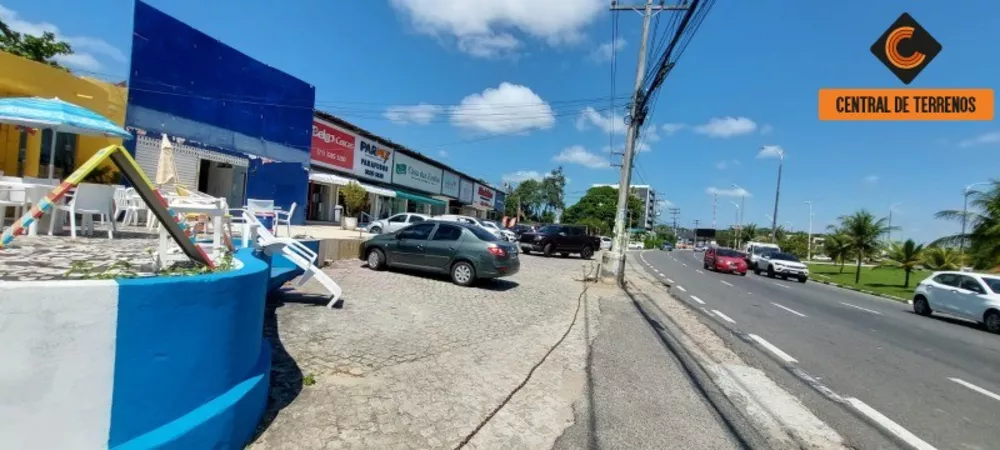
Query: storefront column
33,155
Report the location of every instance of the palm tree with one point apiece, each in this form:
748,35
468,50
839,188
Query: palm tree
749,232
835,246
906,256
942,258
983,236
863,232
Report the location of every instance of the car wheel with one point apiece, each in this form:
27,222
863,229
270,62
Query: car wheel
803,279
587,252
463,274
375,230
743,274
705,266
770,271
547,250
921,307
376,259
756,270
992,321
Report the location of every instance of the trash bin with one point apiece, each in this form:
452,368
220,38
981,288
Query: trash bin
338,211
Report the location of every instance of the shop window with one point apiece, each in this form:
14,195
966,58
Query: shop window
64,157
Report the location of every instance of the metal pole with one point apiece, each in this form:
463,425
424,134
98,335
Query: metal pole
777,192
625,179
715,202
965,213
809,246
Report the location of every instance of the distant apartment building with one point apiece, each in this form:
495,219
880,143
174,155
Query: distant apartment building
647,195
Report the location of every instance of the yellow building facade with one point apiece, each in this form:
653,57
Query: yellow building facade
21,151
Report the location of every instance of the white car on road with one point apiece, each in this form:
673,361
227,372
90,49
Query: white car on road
971,296
784,265
395,223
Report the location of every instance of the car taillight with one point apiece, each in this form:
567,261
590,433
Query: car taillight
497,250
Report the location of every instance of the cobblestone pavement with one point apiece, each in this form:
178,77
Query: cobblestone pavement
44,257
413,361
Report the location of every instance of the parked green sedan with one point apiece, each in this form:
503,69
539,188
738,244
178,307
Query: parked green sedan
466,252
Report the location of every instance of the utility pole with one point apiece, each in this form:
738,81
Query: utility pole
696,222
636,113
809,244
777,192
674,212
715,203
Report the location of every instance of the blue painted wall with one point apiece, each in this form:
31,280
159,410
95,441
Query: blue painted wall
285,183
191,85
191,365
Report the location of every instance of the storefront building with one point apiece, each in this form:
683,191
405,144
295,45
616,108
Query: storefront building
240,128
25,152
397,179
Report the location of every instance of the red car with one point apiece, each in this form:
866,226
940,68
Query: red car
725,260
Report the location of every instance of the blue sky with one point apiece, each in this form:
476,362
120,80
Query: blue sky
463,81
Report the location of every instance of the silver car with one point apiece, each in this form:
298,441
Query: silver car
395,223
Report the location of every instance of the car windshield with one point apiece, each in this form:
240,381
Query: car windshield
993,283
784,256
482,234
489,224
553,229
725,252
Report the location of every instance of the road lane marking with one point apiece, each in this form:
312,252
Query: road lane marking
670,281
789,309
726,283
697,300
978,389
723,316
863,309
771,348
681,288
888,424
696,270
684,264
782,285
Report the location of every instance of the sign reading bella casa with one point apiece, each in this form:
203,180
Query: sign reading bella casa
331,146
416,174
465,191
373,161
449,184
484,196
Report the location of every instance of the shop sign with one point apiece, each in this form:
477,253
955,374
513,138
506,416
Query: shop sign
484,196
332,147
465,191
498,202
416,174
373,161
449,185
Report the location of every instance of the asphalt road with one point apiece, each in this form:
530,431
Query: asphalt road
935,382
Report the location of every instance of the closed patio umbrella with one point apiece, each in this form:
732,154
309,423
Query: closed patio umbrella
166,170
60,117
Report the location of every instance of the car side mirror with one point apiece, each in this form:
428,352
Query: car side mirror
562,234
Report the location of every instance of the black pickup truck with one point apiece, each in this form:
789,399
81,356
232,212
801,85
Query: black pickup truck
561,239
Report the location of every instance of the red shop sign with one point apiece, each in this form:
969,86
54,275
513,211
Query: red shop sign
332,147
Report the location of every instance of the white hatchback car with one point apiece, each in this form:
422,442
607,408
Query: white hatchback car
971,296
395,223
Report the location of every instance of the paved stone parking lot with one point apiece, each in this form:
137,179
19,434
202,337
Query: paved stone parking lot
44,257
414,361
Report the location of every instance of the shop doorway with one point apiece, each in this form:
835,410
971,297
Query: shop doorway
224,180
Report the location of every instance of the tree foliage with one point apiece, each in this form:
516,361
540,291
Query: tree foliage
942,258
600,204
907,256
355,198
42,48
983,228
539,200
862,232
835,246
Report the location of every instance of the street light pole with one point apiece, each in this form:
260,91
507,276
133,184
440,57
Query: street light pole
739,229
965,216
892,208
743,203
777,192
809,244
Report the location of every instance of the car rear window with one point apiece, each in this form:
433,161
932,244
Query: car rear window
993,283
727,253
482,234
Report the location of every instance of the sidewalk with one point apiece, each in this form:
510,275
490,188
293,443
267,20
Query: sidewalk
328,232
638,394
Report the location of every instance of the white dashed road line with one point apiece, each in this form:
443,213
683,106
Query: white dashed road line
697,300
681,288
789,309
684,264
782,285
771,348
670,281
696,270
726,283
863,309
978,389
888,424
723,316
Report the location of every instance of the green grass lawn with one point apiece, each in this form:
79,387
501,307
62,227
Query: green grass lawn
884,281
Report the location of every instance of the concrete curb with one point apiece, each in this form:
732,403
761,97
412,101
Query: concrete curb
864,291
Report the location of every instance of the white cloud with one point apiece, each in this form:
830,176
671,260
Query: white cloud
871,179
771,151
443,153
421,114
487,29
726,127
642,147
766,129
579,155
605,51
725,164
611,123
991,138
671,128
734,192
85,48
649,134
507,109
524,175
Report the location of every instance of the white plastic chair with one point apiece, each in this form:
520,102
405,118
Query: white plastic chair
45,181
11,196
298,254
88,200
130,202
284,218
